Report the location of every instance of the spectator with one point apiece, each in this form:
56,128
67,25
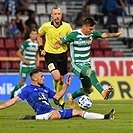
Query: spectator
21,25
10,7
129,1
13,31
121,8
110,9
114,7
24,6
31,22
97,2
2,8
85,12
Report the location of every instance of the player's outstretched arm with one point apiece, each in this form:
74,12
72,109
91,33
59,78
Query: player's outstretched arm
111,35
10,102
63,90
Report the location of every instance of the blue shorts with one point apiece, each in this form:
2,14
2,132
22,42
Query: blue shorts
65,113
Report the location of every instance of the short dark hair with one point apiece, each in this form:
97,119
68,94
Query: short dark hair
89,21
34,71
33,29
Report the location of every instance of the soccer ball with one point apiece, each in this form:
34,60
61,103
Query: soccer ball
84,102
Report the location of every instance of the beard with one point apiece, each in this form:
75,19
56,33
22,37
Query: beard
41,84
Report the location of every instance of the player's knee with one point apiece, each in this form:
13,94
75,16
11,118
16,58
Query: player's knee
57,78
87,90
55,115
21,83
62,81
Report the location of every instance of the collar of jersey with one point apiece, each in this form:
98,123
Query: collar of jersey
54,26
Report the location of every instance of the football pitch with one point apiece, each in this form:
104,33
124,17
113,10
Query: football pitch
123,123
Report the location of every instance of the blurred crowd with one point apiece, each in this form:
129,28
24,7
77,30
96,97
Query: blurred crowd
17,27
110,8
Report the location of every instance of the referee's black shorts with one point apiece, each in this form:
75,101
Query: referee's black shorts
57,62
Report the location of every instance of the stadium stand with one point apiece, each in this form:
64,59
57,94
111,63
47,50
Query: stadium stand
3,53
95,44
19,41
9,43
5,65
98,53
2,43
40,8
118,54
12,52
15,65
120,47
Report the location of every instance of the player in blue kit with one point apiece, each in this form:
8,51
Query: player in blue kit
37,96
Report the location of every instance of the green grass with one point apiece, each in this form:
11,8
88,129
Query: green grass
123,123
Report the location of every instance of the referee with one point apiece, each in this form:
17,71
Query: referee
56,60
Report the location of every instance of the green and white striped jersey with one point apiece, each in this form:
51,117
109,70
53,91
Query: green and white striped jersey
29,49
80,45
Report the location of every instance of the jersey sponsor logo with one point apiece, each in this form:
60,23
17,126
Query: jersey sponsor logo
83,42
32,48
88,41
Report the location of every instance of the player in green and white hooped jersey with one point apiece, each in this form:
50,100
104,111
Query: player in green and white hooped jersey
80,44
29,55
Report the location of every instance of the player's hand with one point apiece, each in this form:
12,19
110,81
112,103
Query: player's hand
27,62
43,53
57,45
69,79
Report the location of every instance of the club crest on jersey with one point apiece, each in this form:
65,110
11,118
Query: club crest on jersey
62,36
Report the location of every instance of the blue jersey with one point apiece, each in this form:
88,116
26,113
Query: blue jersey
37,97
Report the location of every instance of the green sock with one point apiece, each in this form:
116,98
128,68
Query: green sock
16,88
78,93
94,81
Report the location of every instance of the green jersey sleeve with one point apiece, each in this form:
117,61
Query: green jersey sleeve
70,37
97,34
